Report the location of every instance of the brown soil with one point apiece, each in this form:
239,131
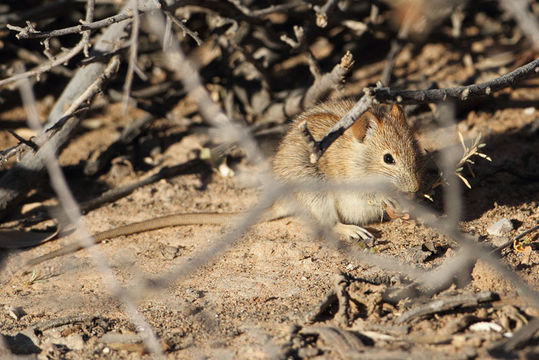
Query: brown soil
253,300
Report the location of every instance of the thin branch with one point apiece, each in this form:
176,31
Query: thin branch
5,155
72,211
32,145
133,50
396,46
322,13
60,60
226,8
340,127
276,8
31,33
211,112
323,84
63,58
105,43
12,185
296,102
527,21
183,27
499,249
445,304
388,95
90,7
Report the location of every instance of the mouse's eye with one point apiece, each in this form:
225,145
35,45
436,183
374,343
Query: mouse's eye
388,159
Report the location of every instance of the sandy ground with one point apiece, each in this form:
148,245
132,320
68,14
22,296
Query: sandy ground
257,298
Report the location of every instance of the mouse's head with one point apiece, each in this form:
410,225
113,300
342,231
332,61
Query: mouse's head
387,147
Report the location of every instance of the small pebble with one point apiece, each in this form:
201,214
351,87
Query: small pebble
529,110
500,227
169,252
485,326
16,312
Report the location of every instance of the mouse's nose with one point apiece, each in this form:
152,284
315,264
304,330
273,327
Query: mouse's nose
412,185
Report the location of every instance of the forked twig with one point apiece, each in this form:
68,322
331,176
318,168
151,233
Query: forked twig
72,211
388,95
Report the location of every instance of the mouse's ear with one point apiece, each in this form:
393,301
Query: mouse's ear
397,113
366,121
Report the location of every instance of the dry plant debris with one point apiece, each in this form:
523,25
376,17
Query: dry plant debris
154,107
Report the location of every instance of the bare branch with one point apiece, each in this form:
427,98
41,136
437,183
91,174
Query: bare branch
527,21
183,27
12,184
72,211
31,33
340,127
61,59
133,50
296,102
322,13
444,304
388,95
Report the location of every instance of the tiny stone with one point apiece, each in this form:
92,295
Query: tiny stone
16,312
458,340
500,227
529,110
350,267
308,352
485,326
73,341
169,252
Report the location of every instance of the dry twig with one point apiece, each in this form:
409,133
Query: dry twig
445,304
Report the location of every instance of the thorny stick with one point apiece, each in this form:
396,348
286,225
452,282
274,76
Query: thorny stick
133,50
445,304
28,143
396,47
525,19
509,242
72,211
82,45
228,132
185,29
90,7
11,186
26,33
63,58
388,95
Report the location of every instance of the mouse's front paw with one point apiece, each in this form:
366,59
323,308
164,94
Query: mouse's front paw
353,232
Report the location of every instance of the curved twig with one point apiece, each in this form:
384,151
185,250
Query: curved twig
388,95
